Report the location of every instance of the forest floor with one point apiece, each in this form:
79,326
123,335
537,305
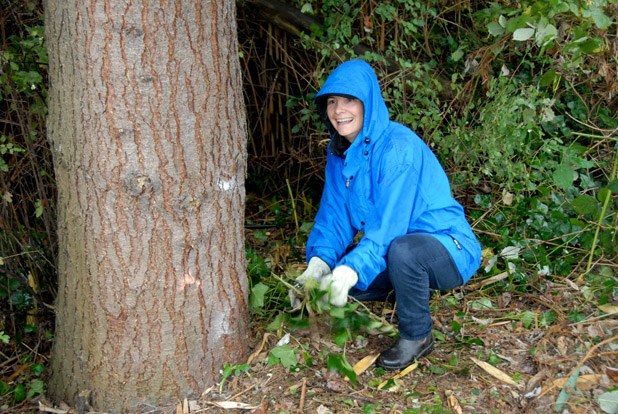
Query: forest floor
498,362
496,351
504,358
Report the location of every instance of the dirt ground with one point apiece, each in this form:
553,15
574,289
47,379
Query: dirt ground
503,359
530,368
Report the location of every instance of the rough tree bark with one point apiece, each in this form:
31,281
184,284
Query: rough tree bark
147,127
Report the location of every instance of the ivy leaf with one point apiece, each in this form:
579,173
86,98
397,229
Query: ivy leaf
495,29
40,208
592,45
337,312
37,369
601,20
306,227
307,9
340,337
457,55
603,194
584,204
19,393
519,22
527,319
548,78
256,298
481,304
4,388
564,395
284,354
340,364
546,34
523,34
277,323
563,176
37,387
608,401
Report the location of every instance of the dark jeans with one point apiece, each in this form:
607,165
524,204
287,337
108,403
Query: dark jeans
415,265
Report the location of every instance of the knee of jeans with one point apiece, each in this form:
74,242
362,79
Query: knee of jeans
399,251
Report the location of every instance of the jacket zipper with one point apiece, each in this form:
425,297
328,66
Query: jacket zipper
347,182
456,242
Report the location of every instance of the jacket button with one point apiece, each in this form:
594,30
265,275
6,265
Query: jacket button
366,152
362,223
367,140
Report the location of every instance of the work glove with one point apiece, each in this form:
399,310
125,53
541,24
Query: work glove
316,270
338,284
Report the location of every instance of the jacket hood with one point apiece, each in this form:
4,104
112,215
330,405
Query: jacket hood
357,79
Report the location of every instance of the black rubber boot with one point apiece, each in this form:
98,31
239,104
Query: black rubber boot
404,352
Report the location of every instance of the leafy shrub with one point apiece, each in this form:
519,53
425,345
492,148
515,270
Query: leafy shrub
27,272
510,100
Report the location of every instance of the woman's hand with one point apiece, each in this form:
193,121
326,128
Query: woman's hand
338,284
316,270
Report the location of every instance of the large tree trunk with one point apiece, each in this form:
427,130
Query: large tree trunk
147,127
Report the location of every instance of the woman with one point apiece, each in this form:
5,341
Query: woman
385,187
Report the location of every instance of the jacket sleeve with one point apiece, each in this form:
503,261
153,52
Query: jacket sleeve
332,232
398,201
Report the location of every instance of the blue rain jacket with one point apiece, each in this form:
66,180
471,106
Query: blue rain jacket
388,183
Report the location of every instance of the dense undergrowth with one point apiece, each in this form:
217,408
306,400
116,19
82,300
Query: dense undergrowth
517,99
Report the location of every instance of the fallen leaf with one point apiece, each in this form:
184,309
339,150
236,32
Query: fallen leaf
534,393
584,382
534,381
362,365
612,373
595,330
453,404
482,321
368,24
495,372
337,385
228,405
45,409
609,309
407,370
323,410
510,252
572,284
488,281
284,340
259,350
403,373
507,198
562,346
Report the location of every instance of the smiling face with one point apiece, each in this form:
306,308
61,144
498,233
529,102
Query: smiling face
346,115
